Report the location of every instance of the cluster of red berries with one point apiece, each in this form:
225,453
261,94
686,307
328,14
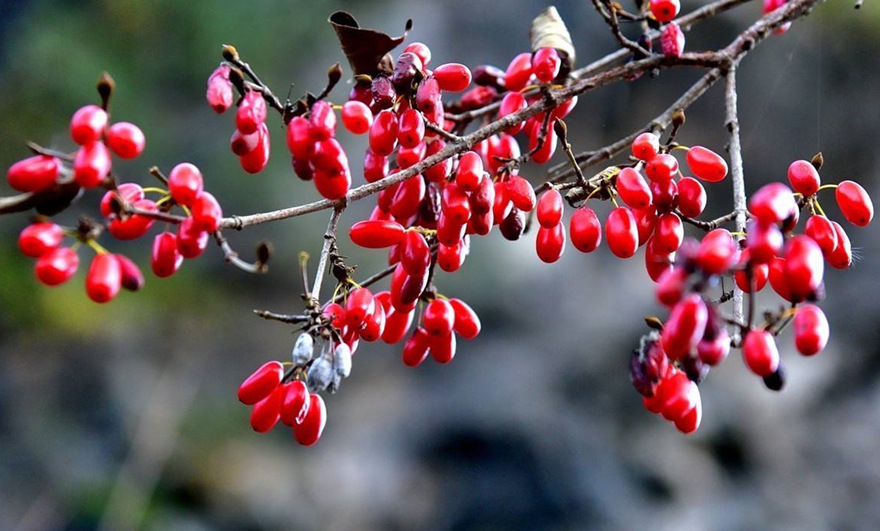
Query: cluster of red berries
250,141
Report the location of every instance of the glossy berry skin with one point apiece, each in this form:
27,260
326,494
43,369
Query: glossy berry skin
410,128
467,323
206,212
132,278
255,160
820,229
665,195
421,51
760,352
415,254
550,243
415,350
778,281
621,232
455,204
88,124
91,165
772,203
668,234
251,113
804,266
646,146
717,252
841,256
546,64
706,164
296,403
685,326
633,189
549,208
646,221
376,234
713,351
518,72
450,258
854,203
511,103
439,317
397,324
691,197
759,273
672,40
129,192
469,175
803,177
104,279
811,330
547,149
322,119
383,133
135,226
267,412
665,10
662,168
442,347
34,174
40,238
521,193
219,92
299,138
309,431
57,266
452,77
356,117
191,242
261,383
670,286
764,241
359,306
657,262
126,140
185,183
165,259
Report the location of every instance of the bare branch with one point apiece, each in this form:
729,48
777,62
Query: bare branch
736,173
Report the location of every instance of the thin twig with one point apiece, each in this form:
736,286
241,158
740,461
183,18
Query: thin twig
736,174
434,128
284,318
329,244
709,225
267,93
232,257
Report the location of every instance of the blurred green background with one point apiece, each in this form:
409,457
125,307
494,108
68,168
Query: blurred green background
124,415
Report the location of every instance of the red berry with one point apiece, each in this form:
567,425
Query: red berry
57,266
312,426
104,279
690,421
668,234
804,266
550,243
633,189
408,198
546,64
383,133
661,168
442,347
397,324
219,93
132,278
191,242
549,208
854,203
764,241
712,351
760,353
439,317
547,149
776,275
359,306
251,113
126,140
206,212
691,197
88,124
91,165
841,257
518,72
185,183
296,403
332,185
241,144
804,178
646,146
410,128
759,273
415,350
322,118
255,160
428,96
820,229
299,138
34,174
134,226
373,327
469,175
706,164
128,192
665,194
665,10
676,396
772,203
335,313
646,221
376,234
521,193
467,323
439,171
261,383
670,286
375,167
717,252
165,259
685,326
415,255
657,262
621,232
450,258
40,238
511,103
810,330
455,204
356,117
452,77
672,40
421,51
450,232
